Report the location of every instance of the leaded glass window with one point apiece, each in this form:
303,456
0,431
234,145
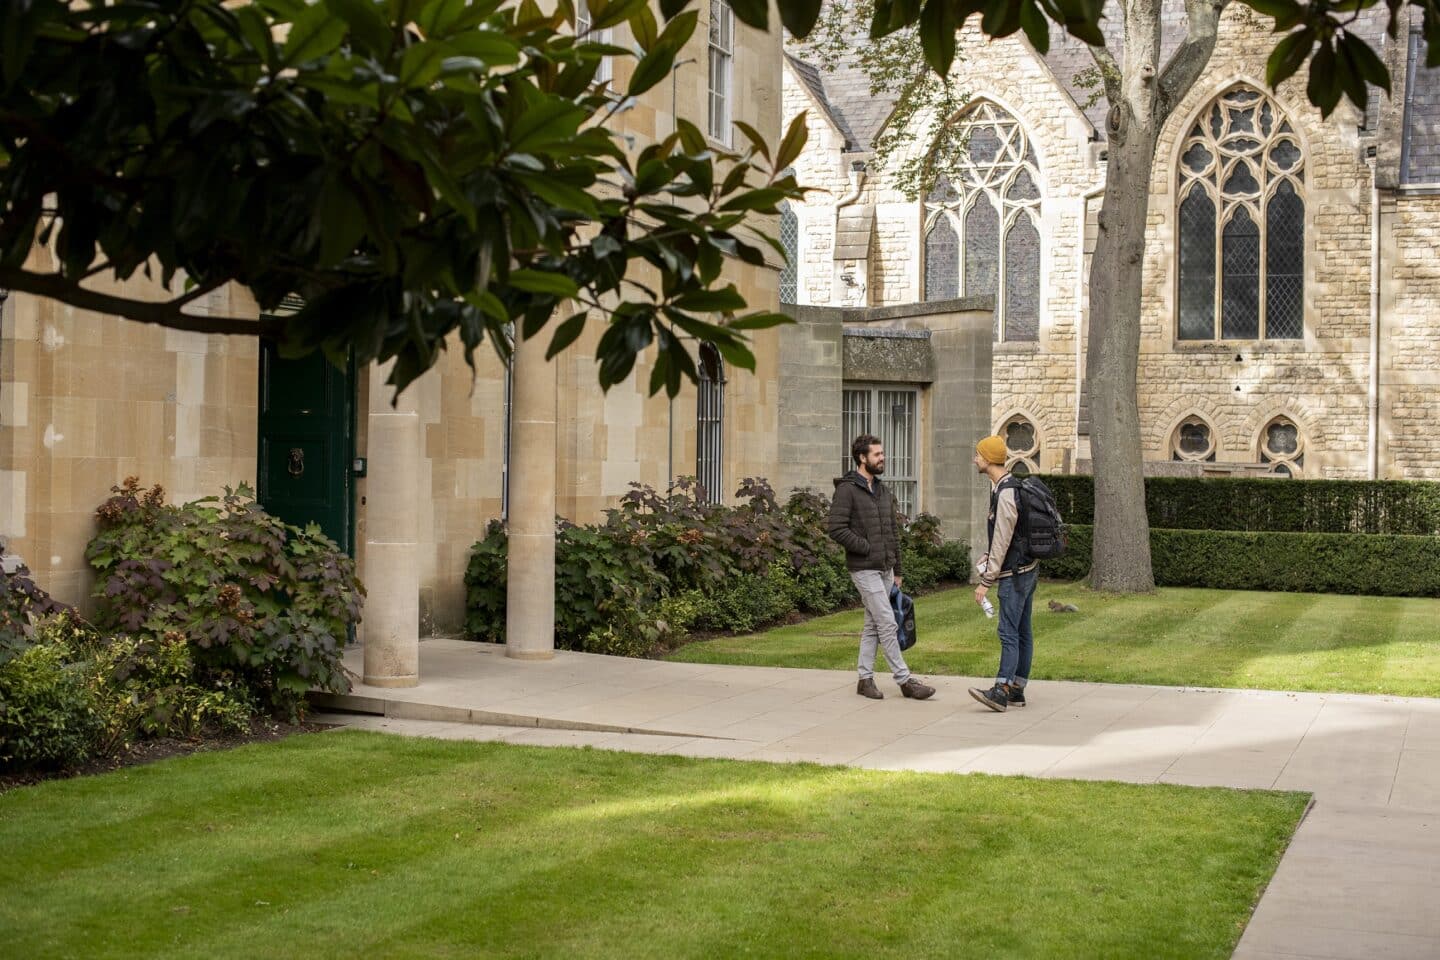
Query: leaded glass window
1282,445
1193,440
1197,265
982,221
1022,280
1022,446
1241,222
942,261
790,240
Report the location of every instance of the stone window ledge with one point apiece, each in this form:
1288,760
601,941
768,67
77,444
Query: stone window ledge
1252,347
1014,348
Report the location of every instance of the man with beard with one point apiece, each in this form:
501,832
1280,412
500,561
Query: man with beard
862,520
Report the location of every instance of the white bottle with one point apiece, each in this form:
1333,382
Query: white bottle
988,607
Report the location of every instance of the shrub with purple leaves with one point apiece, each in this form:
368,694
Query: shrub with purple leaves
22,604
253,596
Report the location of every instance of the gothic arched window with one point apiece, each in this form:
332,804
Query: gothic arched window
982,220
1241,222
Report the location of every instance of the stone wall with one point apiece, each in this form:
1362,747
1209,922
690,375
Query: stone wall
87,400
1321,382
829,347
1410,345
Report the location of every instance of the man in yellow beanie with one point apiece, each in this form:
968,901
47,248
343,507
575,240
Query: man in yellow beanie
1006,563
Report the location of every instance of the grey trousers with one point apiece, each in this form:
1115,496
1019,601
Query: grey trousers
880,630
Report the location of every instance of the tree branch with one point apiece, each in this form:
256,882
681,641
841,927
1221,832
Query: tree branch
196,293
1109,73
165,313
1187,62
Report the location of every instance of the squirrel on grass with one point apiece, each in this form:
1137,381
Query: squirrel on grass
1059,607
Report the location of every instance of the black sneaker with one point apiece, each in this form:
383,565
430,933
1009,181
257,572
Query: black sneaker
1014,695
995,698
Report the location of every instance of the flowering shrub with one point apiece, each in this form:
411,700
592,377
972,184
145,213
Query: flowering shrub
254,598
661,564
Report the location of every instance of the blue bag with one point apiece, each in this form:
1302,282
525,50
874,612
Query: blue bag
904,607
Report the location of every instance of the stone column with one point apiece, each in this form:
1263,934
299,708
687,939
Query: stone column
530,597
391,628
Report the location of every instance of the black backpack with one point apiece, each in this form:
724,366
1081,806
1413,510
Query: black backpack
1040,529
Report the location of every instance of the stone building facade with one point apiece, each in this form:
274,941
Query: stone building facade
1289,322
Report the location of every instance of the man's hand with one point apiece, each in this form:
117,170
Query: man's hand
980,592
898,582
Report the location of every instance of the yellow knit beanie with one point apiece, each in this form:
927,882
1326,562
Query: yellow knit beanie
992,449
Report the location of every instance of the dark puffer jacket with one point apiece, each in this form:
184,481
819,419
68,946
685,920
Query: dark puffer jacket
863,522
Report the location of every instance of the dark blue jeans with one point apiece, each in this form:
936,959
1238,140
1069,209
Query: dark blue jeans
1017,643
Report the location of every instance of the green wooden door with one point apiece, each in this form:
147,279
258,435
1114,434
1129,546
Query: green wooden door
307,418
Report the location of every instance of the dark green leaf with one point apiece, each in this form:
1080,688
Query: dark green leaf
1367,64
763,199
541,281
752,12
726,300
1277,10
760,321
1036,26
566,334
342,222
314,33
753,135
367,27
798,16
793,142
937,36
1287,56
1324,87
421,64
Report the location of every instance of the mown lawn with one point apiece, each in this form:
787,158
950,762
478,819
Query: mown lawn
1182,637
354,845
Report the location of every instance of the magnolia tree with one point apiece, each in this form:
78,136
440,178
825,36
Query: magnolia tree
410,169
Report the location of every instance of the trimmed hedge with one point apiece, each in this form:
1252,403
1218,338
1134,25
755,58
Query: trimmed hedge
1393,507
1379,564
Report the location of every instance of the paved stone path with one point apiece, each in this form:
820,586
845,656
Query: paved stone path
1361,878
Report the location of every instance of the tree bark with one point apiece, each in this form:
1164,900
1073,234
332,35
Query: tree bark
1141,100
1121,559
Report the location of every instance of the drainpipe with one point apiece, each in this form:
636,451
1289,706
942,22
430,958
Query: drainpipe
1086,199
838,274
857,180
670,404
1374,398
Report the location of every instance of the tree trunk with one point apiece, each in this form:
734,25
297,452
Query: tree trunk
1141,98
1121,559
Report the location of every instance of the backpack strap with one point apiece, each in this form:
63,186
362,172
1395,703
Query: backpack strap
1022,515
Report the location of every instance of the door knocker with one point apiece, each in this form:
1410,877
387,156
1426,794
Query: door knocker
297,461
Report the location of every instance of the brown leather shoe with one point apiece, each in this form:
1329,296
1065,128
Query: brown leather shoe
867,688
916,690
